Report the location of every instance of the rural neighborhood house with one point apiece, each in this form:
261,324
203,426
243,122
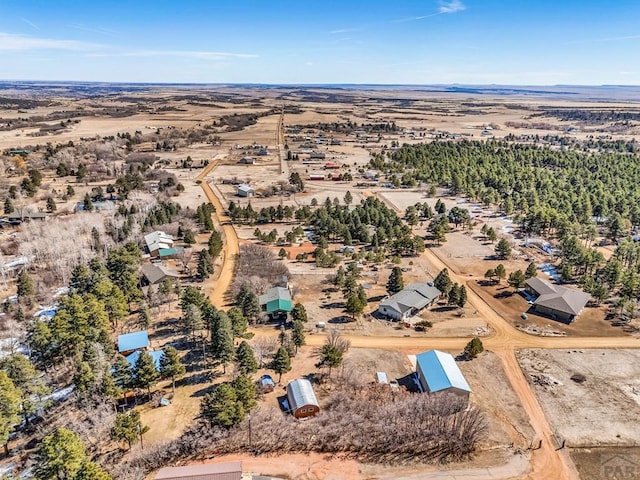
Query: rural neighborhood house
409,301
559,303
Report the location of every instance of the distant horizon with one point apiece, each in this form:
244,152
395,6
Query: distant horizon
336,84
372,42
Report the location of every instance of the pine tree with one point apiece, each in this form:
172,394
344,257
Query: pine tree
28,380
25,285
188,237
215,243
205,264
123,373
145,372
144,316
500,272
221,407
354,306
442,282
462,296
9,409
299,313
92,471
87,203
246,391
51,205
222,339
454,294
171,366
60,456
396,282
503,249
516,279
247,363
127,427
297,335
330,356
238,322
281,362
192,319
248,302
473,348
490,274
532,271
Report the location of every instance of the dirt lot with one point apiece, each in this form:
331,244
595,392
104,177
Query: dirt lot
607,462
602,410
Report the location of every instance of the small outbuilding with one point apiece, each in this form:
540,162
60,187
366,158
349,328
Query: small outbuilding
244,190
130,342
266,384
438,372
302,399
209,471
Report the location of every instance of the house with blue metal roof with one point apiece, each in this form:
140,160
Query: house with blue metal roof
438,372
130,342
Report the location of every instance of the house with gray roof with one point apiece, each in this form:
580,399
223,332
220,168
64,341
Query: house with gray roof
412,299
438,373
154,274
560,303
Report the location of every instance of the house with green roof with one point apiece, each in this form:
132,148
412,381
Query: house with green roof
276,300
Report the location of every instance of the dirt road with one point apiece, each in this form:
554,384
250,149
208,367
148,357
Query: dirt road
230,237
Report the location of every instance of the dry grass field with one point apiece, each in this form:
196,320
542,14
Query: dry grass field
592,397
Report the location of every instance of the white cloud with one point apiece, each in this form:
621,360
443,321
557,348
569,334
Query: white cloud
17,42
205,55
600,40
451,7
30,23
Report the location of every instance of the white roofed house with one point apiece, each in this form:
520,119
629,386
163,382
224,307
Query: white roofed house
244,190
409,301
157,241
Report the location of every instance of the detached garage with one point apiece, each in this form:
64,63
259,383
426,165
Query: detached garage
211,471
302,399
438,372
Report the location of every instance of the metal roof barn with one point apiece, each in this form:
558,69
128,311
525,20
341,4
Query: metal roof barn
302,399
437,371
210,471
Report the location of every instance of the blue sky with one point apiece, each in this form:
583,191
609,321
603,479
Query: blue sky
540,42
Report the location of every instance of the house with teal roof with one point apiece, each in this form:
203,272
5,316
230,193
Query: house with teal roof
276,300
